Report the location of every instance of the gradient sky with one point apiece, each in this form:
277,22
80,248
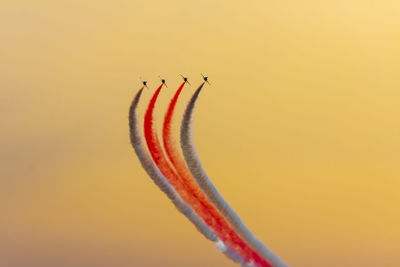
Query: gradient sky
299,130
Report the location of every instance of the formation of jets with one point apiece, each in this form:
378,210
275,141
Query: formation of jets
205,78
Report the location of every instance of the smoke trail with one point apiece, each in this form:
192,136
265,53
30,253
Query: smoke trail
231,253
169,144
182,169
157,177
194,164
193,194
162,183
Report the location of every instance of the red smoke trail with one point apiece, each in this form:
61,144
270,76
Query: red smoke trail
191,193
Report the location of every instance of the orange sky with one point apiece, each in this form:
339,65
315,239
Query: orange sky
299,130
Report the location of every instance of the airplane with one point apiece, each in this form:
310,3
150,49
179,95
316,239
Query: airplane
205,78
163,81
185,79
144,83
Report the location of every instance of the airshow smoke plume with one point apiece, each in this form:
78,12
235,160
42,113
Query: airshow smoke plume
187,185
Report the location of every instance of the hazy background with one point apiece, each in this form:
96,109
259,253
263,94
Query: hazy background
299,130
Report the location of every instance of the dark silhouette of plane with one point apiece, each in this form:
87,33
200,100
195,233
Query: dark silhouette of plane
205,78
185,79
144,83
163,81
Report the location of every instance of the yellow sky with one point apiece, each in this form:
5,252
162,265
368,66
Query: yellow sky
299,130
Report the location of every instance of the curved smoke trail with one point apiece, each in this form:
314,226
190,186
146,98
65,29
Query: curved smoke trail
179,163
162,183
194,164
157,177
193,195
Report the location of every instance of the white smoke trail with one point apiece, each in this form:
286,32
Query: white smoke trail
163,184
194,164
